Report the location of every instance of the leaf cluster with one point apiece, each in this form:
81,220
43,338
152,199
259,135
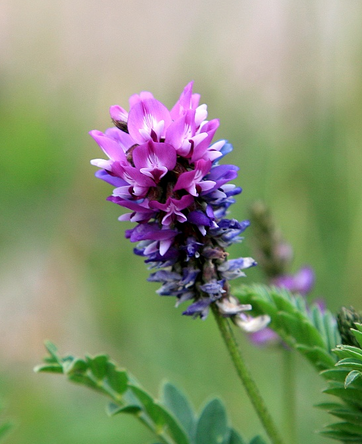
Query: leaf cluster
345,382
172,418
309,329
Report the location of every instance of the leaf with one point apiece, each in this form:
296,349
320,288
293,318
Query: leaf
335,374
175,428
352,376
148,405
115,409
73,366
49,368
174,422
347,427
328,406
317,356
85,380
117,379
349,395
309,330
358,335
257,440
344,382
351,416
53,351
212,425
163,420
350,363
98,365
341,436
348,351
179,405
235,438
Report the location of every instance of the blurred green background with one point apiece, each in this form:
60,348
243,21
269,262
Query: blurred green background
284,78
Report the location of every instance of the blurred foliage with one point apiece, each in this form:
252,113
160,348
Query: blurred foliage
344,382
307,328
171,418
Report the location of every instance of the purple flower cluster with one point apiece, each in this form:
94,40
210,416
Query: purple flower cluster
164,169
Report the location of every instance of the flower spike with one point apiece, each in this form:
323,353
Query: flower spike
164,168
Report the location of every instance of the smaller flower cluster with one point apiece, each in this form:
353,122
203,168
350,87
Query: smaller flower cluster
275,257
165,171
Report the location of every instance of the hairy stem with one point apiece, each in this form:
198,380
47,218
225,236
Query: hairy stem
246,379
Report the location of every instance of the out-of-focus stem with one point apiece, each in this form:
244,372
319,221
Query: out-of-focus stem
289,394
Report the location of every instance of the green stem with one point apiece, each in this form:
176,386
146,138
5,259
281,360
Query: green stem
245,377
289,394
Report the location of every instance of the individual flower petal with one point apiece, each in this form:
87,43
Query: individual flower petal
251,324
192,247
214,288
225,149
199,308
231,269
139,182
113,180
118,114
111,148
136,98
173,209
147,120
154,159
192,181
199,218
230,306
180,133
302,282
264,336
222,174
202,149
141,211
150,231
228,231
200,114
123,139
187,101
164,276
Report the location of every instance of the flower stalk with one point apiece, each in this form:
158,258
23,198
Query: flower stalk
246,378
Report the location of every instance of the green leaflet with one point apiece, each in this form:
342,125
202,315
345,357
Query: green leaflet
307,329
345,382
212,427
257,440
352,376
172,420
358,336
235,438
179,405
